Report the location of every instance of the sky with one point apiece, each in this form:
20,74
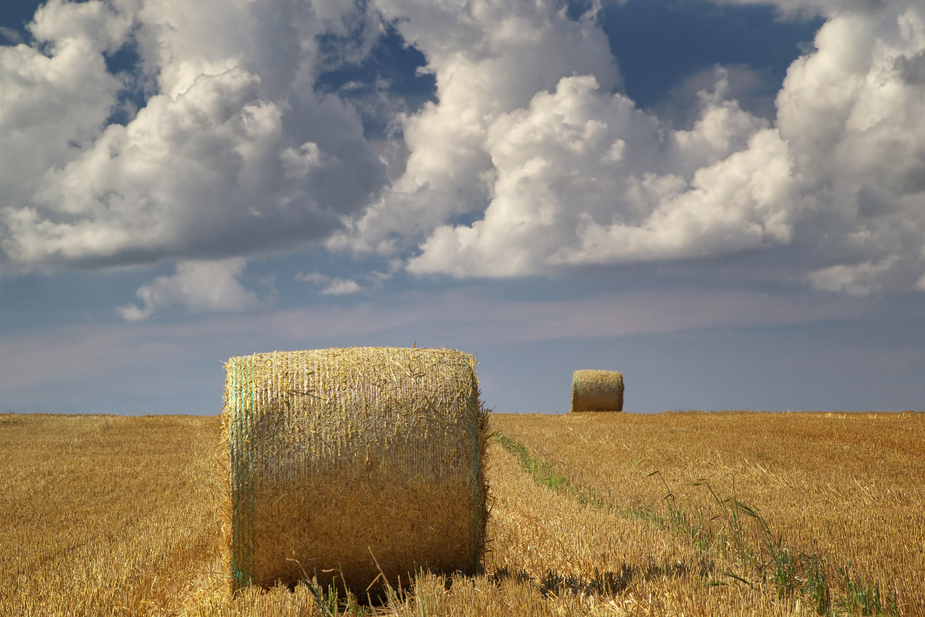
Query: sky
723,199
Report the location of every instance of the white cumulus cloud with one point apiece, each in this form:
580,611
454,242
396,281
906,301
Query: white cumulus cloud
577,175
54,100
530,160
197,286
857,280
330,286
584,177
851,114
233,152
489,58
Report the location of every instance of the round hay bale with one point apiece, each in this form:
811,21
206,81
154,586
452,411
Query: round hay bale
347,463
597,391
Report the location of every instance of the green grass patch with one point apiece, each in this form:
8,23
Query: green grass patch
545,473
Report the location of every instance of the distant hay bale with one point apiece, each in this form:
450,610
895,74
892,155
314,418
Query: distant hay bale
342,462
597,391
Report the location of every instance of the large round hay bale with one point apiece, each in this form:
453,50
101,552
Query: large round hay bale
348,462
597,391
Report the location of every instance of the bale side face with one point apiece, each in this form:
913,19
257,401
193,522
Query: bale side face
343,458
597,391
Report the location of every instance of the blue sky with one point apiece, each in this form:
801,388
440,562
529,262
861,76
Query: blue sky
724,200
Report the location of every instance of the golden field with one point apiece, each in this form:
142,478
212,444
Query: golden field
732,513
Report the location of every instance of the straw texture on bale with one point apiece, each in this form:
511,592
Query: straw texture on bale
597,391
347,463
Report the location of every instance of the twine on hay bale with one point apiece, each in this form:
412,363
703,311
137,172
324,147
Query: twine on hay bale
597,391
343,463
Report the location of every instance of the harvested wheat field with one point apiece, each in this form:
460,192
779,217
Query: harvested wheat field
732,513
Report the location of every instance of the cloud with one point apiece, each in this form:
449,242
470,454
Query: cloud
798,8
579,176
105,24
858,280
12,36
751,88
489,58
199,286
851,119
577,182
233,153
54,100
529,161
329,286
558,170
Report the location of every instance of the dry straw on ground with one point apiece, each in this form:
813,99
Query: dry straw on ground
597,391
346,464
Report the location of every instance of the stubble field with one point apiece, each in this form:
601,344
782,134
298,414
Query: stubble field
732,513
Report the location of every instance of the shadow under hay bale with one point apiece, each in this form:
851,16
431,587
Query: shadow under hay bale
349,464
597,391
